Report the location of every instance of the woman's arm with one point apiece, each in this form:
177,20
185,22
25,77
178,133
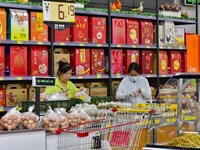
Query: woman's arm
145,89
121,94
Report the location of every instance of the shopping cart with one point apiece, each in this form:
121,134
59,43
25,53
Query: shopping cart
122,130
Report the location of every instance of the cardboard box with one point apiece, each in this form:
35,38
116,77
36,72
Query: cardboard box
18,25
79,85
97,28
31,92
132,31
118,31
38,30
130,56
62,36
163,62
97,61
2,97
60,54
2,60
169,30
179,37
38,61
79,31
146,31
184,61
16,61
174,62
15,94
98,89
3,24
146,62
115,85
117,61
161,35
80,60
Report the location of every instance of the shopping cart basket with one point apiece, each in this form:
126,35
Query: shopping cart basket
119,131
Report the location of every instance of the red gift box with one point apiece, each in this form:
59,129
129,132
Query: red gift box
62,36
80,60
80,30
2,97
146,30
118,31
184,61
97,61
146,62
132,31
2,60
16,61
38,61
117,61
130,56
97,28
163,62
174,62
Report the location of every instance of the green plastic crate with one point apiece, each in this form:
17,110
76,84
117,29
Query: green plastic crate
67,104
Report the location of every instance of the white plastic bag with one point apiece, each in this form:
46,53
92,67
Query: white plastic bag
57,96
12,119
29,120
63,117
83,96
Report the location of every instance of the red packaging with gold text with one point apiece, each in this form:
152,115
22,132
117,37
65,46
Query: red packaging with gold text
80,30
80,60
97,61
2,60
16,61
163,62
62,36
132,31
146,30
146,62
2,97
118,31
130,56
38,61
184,61
117,61
97,28
174,62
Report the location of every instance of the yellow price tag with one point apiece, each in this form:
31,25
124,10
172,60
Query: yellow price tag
82,97
187,118
99,75
134,46
161,47
62,43
99,45
1,108
81,44
1,78
118,45
169,120
173,119
180,47
163,75
40,43
19,42
20,108
118,75
148,46
193,117
19,78
149,122
80,77
148,75
169,47
157,121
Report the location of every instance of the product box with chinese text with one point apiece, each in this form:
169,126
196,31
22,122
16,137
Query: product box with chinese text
3,24
132,31
117,61
146,31
118,31
97,61
146,62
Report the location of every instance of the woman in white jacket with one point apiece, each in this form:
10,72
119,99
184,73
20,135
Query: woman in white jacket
134,88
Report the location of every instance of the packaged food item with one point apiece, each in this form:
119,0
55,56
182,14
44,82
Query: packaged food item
117,61
78,117
2,60
29,120
83,95
118,31
175,62
11,119
63,117
62,35
132,31
146,30
146,62
97,61
169,31
3,24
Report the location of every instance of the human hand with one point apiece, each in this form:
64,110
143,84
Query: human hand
139,91
82,89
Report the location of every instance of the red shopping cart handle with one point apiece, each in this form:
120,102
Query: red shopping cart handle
133,110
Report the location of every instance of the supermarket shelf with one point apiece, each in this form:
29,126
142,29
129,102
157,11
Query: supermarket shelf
78,44
89,12
133,46
19,78
178,20
20,6
166,75
135,16
10,42
120,76
90,77
180,48
4,109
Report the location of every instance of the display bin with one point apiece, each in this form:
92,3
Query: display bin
67,104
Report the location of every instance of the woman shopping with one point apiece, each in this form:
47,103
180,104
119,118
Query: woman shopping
134,88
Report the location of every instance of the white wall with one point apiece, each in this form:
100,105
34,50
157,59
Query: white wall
192,10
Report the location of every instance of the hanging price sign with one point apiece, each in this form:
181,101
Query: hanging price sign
59,14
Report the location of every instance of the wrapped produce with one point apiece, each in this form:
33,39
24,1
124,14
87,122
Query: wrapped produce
11,119
29,120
